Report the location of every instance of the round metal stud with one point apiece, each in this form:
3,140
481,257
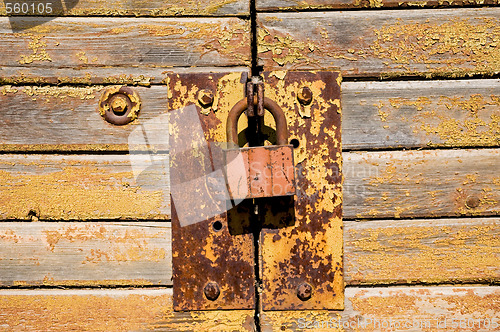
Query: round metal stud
304,291
305,95
119,105
211,291
472,202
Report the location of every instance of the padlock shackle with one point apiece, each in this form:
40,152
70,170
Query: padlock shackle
271,106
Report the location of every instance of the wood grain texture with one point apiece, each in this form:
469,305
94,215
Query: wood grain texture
373,309
110,310
446,42
420,113
85,254
412,184
143,8
96,254
375,115
422,250
389,184
84,187
136,76
40,117
124,42
282,5
151,310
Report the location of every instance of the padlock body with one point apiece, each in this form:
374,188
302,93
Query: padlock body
263,171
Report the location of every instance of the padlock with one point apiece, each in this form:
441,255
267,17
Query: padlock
268,171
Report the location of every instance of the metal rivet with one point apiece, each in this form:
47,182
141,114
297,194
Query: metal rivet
212,291
206,98
472,201
119,105
304,291
305,95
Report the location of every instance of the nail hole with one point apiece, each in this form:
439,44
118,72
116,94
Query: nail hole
217,226
295,142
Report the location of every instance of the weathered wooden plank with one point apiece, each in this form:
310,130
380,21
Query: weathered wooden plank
85,254
124,42
51,117
136,254
281,5
84,187
375,114
423,251
98,75
399,309
420,113
389,184
446,42
66,118
411,184
136,8
110,310
151,310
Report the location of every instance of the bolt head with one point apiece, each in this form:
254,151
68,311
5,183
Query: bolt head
206,98
472,201
304,291
305,95
211,291
118,104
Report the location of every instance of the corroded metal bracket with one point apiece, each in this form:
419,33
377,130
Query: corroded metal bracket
300,235
213,260
301,262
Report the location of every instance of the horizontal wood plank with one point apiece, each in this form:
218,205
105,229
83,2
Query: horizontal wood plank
151,310
422,250
83,187
411,114
94,42
398,309
388,184
110,310
412,184
137,8
376,115
67,118
281,5
85,254
137,76
442,43
136,254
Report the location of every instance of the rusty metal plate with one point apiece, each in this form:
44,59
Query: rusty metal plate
213,255
301,263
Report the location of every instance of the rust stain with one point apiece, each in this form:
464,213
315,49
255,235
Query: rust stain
317,221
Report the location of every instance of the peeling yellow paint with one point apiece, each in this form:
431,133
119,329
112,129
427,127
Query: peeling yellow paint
37,45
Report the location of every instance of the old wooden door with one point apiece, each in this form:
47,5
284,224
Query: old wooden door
86,246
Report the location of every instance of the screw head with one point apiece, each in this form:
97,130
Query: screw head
472,201
304,291
305,95
119,104
211,291
205,98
